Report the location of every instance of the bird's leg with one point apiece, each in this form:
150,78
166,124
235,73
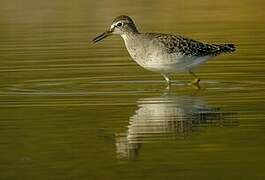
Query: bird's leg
196,78
167,78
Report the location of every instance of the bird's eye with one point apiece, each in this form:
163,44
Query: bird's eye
119,24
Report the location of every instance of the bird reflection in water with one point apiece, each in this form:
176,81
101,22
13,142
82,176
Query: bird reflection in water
168,117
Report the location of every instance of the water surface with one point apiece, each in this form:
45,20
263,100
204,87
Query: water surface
73,110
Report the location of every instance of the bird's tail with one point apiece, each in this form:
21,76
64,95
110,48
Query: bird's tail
226,48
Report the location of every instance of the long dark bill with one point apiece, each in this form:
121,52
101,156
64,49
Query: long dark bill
102,36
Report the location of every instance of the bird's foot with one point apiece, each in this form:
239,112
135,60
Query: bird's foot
168,85
196,83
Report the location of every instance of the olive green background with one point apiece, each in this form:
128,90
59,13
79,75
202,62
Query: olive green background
73,110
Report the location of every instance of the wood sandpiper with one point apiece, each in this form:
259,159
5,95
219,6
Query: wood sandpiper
164,53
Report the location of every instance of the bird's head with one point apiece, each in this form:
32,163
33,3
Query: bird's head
120,25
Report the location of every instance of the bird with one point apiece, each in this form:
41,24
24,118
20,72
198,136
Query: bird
163,53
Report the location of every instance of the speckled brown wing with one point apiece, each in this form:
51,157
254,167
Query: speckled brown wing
189,47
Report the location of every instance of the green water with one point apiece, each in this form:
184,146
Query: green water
73,110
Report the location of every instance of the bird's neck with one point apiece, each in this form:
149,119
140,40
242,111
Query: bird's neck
129,36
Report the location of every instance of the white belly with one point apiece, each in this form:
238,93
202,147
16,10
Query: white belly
170,63
154,57
179,64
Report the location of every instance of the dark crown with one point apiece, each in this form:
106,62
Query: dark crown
124,18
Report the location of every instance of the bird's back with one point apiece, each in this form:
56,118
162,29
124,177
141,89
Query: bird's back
167,53
189,47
